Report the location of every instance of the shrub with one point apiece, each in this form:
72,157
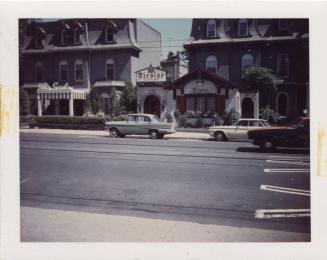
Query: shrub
231,116
269,114
169,118
24,103
199,122
128,97
183,121
120,118
80,120
27,119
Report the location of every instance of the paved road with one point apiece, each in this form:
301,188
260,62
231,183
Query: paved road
218,183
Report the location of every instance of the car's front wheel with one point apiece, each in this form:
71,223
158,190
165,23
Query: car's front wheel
219,136
268,144
154,134
114,132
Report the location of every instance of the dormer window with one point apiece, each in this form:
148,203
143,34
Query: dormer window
39,41
211,29
77,36
243,27
64,37
110,34
282,24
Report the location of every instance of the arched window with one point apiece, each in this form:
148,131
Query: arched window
211,28
110,34
282,104
247,61
63,70
39,72
78,70
211,64
110,69
243,27
283,65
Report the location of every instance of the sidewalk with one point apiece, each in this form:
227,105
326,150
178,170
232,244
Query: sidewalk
50,225
178,135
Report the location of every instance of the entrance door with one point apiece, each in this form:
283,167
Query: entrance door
247,108
152,105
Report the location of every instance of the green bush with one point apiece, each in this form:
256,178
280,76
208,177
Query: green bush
24,103
269,114
120,118
27,119
79,120
231,116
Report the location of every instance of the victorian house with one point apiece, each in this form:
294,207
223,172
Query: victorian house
63,60
221,50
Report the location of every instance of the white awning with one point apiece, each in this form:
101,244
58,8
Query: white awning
36,85
109,83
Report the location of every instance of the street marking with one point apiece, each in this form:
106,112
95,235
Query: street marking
285,190
282,213
290,157
287,170
288,162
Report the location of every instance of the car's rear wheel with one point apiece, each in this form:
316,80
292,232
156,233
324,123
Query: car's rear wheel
114,132
268,144
154,134
219,136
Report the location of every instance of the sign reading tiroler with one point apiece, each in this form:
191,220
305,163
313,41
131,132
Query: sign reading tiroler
151,75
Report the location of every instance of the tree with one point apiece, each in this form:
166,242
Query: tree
128,97
269,114
185,57
230,117
116,108
24,103
260,79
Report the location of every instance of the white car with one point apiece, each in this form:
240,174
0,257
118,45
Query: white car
238,130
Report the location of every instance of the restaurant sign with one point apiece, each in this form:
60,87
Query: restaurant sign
151,74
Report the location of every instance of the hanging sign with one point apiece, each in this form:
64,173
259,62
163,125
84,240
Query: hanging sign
151,75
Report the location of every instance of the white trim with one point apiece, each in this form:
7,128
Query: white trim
214,58
239,27
79,62
211,22
287,102
63,62
278,63
110,61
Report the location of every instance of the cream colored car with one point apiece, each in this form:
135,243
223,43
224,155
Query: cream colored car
238,130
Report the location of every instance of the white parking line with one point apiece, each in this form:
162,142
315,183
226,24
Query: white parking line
287,170
285,190
282,213
288,162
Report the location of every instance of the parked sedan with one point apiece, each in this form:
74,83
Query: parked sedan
140,124
295,135
238,130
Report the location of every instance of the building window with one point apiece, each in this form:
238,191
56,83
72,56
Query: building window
283,65
200,104
282,24
77,36
243,27
39,41
110,69
169,77
39,71
64,37
63,70
282,104
78,70
211,64
110,34
211,28
247,62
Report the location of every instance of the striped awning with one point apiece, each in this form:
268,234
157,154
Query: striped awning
62,93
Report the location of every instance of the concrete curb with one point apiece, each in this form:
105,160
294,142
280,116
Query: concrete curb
177,135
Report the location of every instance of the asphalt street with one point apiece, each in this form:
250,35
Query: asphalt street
200,181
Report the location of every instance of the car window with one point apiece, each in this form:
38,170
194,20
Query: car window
243,123
145,119
133,119
253,123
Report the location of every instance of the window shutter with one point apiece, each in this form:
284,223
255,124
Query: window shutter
181,103
220,104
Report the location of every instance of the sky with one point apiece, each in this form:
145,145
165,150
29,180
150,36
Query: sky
174,32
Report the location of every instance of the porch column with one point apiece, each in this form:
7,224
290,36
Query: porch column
238,102
256,105
39,105
71,104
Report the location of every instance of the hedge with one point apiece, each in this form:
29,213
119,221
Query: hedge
76,120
